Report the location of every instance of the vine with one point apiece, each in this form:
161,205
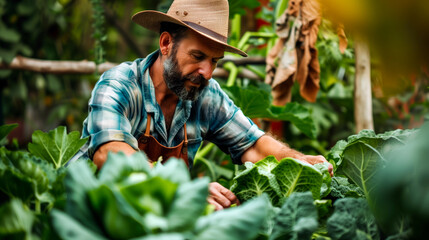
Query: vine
99,31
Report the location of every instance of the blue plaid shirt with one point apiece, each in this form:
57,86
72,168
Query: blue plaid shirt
124,96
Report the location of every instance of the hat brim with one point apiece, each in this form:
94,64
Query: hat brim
152,20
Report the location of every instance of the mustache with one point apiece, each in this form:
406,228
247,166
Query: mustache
196,79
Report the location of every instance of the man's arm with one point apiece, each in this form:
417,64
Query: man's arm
267,145
100,156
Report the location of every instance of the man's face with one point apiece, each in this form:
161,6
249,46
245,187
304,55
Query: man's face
190,65
175,79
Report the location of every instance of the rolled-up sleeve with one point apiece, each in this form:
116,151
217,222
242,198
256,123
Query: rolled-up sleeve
230,129
109,108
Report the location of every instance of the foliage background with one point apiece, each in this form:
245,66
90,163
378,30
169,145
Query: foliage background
79,29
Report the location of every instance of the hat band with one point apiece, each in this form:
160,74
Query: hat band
207,31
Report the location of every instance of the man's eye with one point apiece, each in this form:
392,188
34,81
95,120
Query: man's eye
198,57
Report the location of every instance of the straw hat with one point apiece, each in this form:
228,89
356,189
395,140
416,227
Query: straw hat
208,18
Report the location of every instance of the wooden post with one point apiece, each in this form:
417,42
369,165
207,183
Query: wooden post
362,91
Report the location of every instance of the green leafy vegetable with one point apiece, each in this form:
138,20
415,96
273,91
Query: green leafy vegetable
57,146
361,161
296,176
277,179
297,218
364,154
342,188
254,182
21,176
352,219
384,142
242,222
131,200
404,194
75,230
16,220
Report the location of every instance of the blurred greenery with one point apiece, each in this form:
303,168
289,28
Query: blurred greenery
98,30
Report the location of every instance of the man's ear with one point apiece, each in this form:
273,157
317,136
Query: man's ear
165,43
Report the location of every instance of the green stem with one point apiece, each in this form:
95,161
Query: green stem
256,71
202,152
249,35
235,29
38,206
206,162
233,72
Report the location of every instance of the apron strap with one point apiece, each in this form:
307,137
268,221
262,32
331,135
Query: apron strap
186,135
147,132
185,143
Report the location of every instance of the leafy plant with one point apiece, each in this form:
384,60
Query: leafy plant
363,154
352,219
404,195
256,103
297,218
56,146
130,200
16,220
342,188
276,179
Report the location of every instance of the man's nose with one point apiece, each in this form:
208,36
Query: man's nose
206,69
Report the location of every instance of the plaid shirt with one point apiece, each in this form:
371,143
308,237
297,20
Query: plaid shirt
124,96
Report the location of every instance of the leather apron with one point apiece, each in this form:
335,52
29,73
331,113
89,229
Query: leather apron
154,149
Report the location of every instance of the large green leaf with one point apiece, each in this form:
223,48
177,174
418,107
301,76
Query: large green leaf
16,220
297,219
295,176
298,115
174,170
252,101
242,222
56,146
189,204
360,163
256,103
255,181
79,180
384,142
152,195
277,179
403,196
267,164
119,219
21,176
5,130
70,229
351,220
363,154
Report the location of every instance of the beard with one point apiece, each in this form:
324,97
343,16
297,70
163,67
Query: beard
175,80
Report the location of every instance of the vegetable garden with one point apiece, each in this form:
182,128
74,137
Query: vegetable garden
379,189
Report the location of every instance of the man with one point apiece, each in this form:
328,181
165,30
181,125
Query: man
167,103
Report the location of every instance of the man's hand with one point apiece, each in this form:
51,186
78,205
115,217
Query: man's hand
267,145
318,159
221,197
